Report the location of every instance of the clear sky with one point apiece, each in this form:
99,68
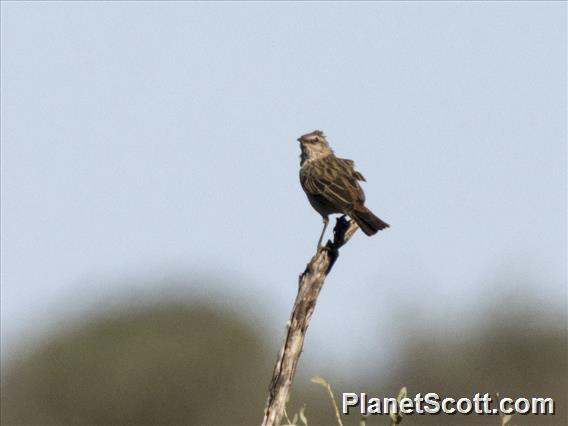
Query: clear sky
145,141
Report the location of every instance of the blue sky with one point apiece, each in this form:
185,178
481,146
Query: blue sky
144,140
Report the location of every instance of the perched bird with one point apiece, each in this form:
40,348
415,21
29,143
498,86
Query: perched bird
332,186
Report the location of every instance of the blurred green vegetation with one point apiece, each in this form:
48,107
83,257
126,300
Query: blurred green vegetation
178,363
170,364
514,353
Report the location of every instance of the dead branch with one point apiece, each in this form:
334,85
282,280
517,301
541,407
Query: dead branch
310,284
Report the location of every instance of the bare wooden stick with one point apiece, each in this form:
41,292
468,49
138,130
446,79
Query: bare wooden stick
310,284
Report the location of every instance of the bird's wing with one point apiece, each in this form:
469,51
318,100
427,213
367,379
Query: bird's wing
350,166
339,188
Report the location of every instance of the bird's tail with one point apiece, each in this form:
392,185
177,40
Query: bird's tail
367,221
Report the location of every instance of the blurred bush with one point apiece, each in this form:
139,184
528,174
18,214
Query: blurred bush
171,364
517,352
176,363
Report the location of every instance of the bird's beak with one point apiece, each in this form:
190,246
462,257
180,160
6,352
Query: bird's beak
299,139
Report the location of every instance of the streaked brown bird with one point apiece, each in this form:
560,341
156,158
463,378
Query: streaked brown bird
332,186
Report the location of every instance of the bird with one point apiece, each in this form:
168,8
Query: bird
332,184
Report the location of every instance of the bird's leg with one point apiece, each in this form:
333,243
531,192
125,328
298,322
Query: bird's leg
325,222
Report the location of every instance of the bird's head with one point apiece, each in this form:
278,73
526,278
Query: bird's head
314,146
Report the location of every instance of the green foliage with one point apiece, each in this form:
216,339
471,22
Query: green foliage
172,364
192,364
